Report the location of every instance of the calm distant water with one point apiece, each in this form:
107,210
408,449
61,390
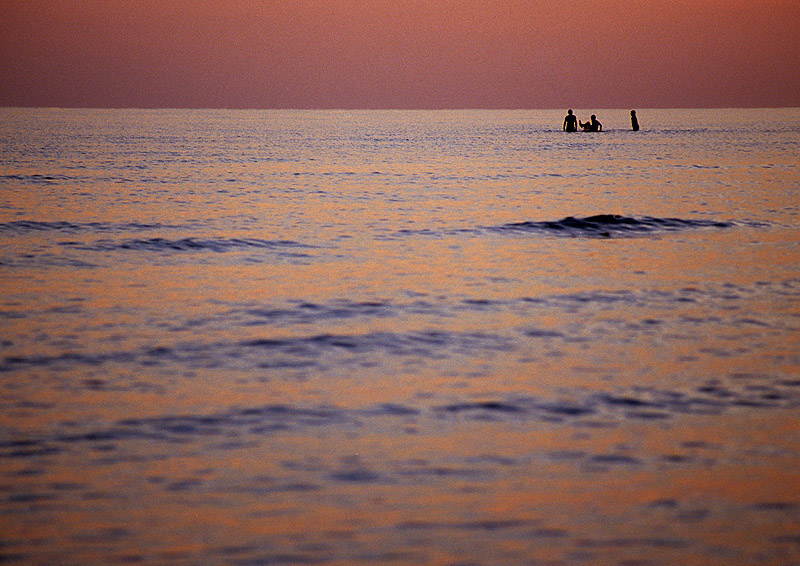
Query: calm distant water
443,338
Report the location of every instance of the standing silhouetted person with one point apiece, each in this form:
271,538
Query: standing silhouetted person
634,121
592,125
570,122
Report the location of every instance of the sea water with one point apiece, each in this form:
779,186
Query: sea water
399,337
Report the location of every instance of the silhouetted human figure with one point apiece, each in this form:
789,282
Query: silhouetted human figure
634,121
570,122
592,125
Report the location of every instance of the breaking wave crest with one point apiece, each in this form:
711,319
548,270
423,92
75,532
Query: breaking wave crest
609,225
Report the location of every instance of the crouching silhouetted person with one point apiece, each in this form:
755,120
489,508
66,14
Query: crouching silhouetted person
592,125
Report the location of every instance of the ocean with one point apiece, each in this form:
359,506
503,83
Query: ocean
399,337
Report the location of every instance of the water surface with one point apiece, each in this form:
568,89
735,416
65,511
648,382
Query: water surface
450,337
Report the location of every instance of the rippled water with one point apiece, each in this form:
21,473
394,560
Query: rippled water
294,337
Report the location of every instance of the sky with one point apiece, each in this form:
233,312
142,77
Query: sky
400,53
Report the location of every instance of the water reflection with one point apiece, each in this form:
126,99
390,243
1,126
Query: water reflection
292,337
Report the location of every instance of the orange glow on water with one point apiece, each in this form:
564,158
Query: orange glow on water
391,373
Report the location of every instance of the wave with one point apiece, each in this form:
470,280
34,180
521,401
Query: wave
304,312
610,225
311,331
39,179
183,244
277,353
596,226
155,244
425,344
22,226
609,408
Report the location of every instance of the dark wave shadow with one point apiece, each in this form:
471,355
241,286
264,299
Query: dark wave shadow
597,409
183,244
610,225
26,226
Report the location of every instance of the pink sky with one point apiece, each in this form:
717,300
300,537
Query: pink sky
400,53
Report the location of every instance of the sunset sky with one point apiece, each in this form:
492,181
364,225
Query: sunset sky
400,53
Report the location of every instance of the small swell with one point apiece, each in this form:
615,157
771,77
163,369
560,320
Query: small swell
305,313
37,179
611,225
23,226
429,344
181,428
183,244
279,353
596,409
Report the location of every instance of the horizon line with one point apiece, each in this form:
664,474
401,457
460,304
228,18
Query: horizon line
388,109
